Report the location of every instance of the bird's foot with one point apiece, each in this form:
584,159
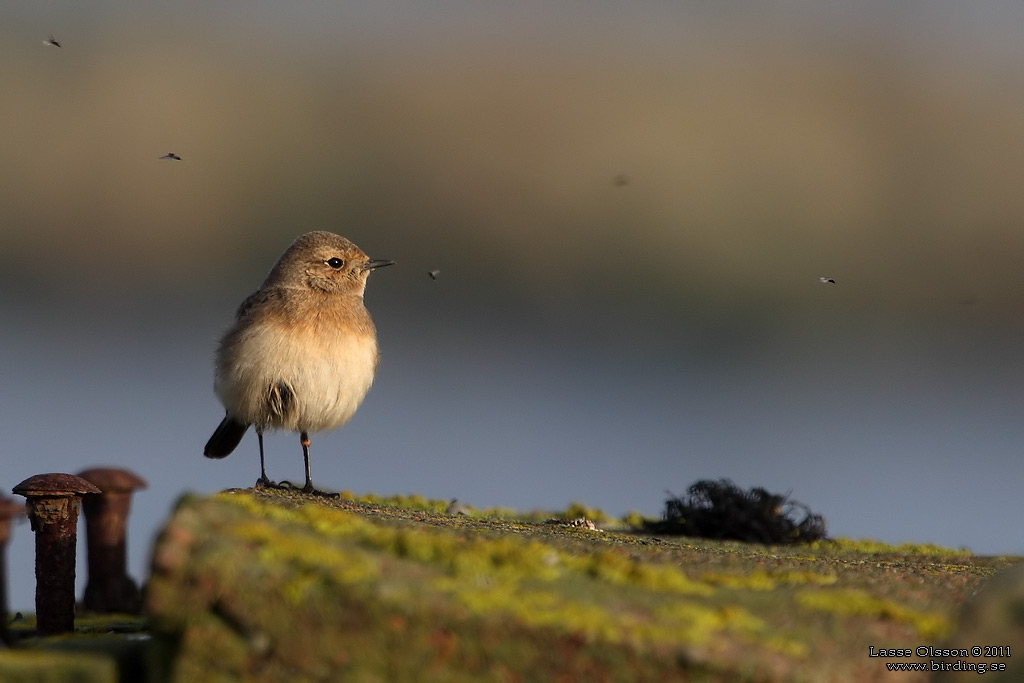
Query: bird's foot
264,483
308,489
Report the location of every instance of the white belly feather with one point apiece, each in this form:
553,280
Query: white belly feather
327,373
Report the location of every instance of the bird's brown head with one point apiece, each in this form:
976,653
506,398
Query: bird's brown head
324,261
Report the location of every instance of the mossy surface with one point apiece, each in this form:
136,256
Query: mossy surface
103,647
47,666
274,585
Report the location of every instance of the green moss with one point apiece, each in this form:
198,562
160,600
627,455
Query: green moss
410,502
760,580
515,578
575,510
291,586
47,666
514,557
870,547
353,579
856,602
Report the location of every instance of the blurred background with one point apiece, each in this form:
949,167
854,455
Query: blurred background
630,205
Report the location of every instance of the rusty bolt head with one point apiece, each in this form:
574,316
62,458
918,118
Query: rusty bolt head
113,480
54,485
45,493
109,588
53,501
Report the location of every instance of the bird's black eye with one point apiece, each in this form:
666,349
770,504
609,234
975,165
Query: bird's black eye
335,262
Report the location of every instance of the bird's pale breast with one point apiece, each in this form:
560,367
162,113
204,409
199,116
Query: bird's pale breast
326,367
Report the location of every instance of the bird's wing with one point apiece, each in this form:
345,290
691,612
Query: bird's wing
254,300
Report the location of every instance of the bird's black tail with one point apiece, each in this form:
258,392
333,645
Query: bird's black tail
225,438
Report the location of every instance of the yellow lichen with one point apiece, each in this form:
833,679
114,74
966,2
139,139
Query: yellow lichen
871,547
856,602
485,575
475,556
760,580
538,584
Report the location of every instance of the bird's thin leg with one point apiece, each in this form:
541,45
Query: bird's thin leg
304,440
308,488
263,480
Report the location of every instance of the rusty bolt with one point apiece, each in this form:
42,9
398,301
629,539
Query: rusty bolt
109,588
53,503
8,511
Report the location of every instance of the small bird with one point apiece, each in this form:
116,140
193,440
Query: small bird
302,352
52,42
171,155
826,280
433,274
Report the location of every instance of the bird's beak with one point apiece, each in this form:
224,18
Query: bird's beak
377,263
